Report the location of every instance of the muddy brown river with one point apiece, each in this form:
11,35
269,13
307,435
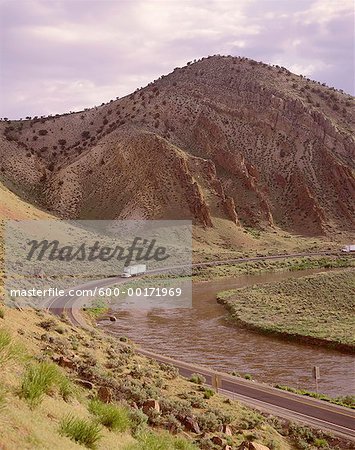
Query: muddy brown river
205,335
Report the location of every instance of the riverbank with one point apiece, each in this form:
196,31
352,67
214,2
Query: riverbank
272,265
316,309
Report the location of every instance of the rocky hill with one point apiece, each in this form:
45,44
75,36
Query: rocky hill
223,140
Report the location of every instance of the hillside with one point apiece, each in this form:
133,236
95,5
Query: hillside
52,371
226,141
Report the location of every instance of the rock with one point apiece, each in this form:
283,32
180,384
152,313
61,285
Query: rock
256,446
104,394
227,430
150,405
66,362
191,424
85,383
113,318
246,445
227,447
217,440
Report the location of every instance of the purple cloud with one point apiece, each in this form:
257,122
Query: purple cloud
67,55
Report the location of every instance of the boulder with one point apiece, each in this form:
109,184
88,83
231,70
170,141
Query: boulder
151,405
191,424
246,445
104,394
66,362
217,441
85,383
226,429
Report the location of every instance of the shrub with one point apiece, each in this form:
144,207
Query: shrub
138,419
208,393
85,134
82,431
111,416
175,407
197,378
42,132
209,422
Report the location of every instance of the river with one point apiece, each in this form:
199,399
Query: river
205,335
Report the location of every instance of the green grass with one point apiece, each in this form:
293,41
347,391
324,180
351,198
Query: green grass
40,378
9,350
161,441
318,307
114,417
97,309
85,432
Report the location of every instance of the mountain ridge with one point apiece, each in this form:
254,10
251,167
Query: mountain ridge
223,138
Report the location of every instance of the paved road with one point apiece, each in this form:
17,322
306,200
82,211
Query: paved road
326,416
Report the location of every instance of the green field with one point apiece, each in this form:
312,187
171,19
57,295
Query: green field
317,308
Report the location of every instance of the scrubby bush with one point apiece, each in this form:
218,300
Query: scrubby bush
85,134
197,378
175,407
82,431
208,393
138,419
209,422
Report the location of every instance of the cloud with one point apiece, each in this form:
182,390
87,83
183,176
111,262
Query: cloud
71,54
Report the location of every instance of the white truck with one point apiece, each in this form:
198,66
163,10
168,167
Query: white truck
348,248
132,271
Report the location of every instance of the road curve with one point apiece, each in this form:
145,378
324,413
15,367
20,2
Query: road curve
313,412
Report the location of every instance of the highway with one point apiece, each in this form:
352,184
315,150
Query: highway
319,414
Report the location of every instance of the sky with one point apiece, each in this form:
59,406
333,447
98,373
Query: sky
66,55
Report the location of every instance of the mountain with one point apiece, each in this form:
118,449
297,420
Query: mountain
226,141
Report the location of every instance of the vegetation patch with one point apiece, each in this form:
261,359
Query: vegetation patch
83,431
114,417
39,379
348,401
271,265
316,309
160,441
